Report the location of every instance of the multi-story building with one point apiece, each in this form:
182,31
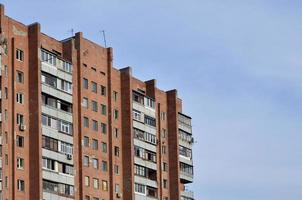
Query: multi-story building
74,127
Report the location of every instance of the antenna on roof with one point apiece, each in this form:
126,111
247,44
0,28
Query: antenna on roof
104,37
71,31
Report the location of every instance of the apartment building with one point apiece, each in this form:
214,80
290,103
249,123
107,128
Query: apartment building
75,127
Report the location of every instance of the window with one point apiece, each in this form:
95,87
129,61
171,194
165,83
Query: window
139,188
116,132
138,98
86,141
66,148
137,115
103,109
87,181
117,188
49,80
20,77
67,169
66,86
116,151
104,128
64,127
140,170
85,83
86,161
6,93
5,115
86,122
20,119
144,154
49,164
58,188
95,144
116,169
49,143
94,106
85,102
20,141
150,103
164,133
6,70
183,151
96,183
19,55
104,147
6,159
115,96
115,114
95,163
145,136
20,163
163,116
67,67
48,57
6,182
103,90
150,121
104,185
104,166
165,167
20,97
165,183
188,169
95,125
20,185
164,149
94,87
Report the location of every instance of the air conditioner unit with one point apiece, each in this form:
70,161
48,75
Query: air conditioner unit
69,157
22,127
118,195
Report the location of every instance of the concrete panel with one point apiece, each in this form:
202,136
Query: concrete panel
56,72
57,113
56,134
56,156
57,177
57,93
145,145
145,181
145,163
51,196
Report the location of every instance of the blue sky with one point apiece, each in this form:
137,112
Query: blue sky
237,66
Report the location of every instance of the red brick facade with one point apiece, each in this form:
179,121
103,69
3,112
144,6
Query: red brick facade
99,157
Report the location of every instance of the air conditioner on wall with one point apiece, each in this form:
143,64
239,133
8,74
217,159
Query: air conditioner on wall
118,195
69,157
22,127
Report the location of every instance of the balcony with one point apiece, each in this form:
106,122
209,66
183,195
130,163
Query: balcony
186,173
56,61
184,123
48,68
186,195
186,177
57,177
57,113
47,89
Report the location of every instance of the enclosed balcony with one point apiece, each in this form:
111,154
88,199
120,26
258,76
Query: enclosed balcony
184,123
186,173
